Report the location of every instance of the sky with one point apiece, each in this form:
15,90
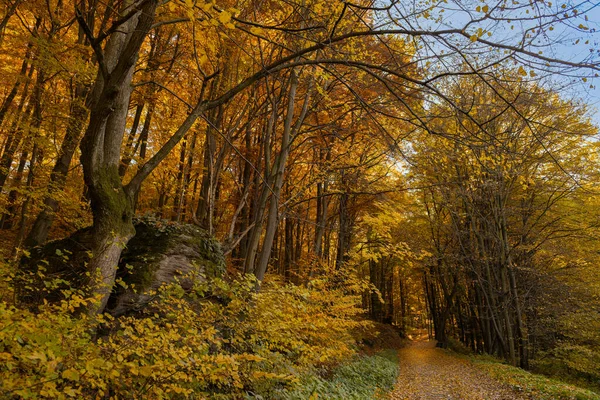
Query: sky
577,51
566,40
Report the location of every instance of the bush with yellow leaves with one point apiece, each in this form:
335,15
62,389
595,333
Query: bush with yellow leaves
223,340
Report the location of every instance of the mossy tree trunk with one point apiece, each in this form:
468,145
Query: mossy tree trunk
112,203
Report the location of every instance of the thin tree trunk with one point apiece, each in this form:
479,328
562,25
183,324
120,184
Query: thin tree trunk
29,185
187,178
10,11
8,217
16,131
261,197
129,149
289,132
11,95
179,189
43,222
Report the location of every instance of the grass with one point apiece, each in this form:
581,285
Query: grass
536,386
365,377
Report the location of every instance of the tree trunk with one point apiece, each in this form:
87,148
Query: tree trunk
179,188
10,11
112,205
11,95
129,148
35,156
16,130
261,196
344,232
289,132
43,222
8,217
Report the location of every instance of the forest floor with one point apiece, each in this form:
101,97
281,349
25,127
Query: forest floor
430,373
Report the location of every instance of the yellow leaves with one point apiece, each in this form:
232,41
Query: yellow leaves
255,30
180,390
225,17
172,6
71,392
480,32
71,374
250,357
270,375
146,370
483,9
232,344
49,390
523,72
39,356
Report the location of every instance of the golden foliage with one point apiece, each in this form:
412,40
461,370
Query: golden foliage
221,340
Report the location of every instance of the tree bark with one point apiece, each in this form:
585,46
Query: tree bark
112,205
16,130
290,131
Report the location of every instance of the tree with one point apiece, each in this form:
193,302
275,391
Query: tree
497,187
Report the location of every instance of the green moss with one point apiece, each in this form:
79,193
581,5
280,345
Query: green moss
155,238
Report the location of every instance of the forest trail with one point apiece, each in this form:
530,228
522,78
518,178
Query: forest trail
430,373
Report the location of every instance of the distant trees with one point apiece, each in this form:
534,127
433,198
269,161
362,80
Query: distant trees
500,189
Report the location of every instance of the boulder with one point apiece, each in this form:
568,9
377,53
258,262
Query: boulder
161,252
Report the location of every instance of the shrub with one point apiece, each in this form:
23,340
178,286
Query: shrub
221,340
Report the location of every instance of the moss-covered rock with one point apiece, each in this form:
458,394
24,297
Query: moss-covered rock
160,252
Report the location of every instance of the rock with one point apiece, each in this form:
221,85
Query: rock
160,253
46,271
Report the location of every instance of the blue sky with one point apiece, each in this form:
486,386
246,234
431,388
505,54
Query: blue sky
575,39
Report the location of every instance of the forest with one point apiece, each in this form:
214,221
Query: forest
280,199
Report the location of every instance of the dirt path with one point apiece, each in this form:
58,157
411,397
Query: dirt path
429,373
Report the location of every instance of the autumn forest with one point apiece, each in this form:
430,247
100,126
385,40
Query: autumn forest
299,199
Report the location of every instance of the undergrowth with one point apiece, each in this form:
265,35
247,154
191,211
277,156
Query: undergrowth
536,386
221,340
366,377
